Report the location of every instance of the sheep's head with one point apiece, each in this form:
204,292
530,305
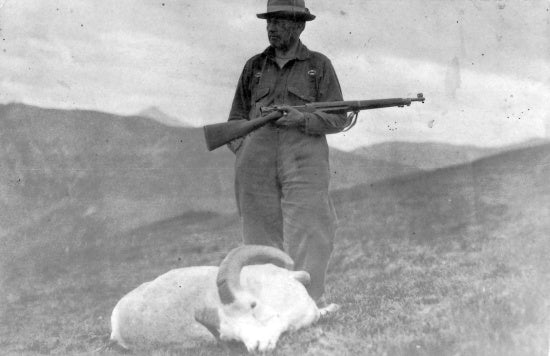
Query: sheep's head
241,316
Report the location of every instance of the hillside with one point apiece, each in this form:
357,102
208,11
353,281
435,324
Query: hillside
127,170
518,173
123,171
453,261
454,204
349,169
70,178
432,155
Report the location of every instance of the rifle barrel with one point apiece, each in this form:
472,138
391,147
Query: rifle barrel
357,105
351,105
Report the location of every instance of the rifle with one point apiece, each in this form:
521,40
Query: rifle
217,135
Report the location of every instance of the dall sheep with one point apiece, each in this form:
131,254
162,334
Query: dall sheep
249,298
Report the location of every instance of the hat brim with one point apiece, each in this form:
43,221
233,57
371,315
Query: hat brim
300,16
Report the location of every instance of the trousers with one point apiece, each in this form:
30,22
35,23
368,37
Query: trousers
282,191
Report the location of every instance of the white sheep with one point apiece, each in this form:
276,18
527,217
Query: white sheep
246,299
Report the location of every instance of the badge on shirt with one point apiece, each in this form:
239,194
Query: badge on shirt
312,72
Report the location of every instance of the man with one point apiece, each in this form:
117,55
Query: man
282,169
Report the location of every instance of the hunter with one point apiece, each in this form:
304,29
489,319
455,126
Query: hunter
282,169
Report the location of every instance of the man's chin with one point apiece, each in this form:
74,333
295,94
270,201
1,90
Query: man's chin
278,45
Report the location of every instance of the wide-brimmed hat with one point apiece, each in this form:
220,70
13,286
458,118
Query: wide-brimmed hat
293,9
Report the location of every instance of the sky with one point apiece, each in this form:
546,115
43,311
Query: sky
483,65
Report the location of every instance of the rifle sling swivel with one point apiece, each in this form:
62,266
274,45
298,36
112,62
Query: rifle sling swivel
352,120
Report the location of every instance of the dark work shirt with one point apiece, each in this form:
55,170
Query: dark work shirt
309,77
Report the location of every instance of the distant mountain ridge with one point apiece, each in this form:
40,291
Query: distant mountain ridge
433,155
153,112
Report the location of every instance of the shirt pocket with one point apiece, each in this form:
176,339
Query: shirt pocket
258,100
260,93
299,95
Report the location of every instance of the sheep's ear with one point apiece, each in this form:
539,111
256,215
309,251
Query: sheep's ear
302,277
210,319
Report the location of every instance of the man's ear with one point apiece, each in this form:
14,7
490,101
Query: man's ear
301,26
210,319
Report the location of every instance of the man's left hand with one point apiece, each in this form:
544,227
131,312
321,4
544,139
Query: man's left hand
291,117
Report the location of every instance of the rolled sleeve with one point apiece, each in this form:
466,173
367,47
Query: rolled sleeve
240,106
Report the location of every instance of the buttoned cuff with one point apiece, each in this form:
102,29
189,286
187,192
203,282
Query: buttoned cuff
309,124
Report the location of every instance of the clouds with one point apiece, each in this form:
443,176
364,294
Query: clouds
125,55
185,57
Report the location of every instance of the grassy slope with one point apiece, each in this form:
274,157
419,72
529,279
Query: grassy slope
455,262
450,262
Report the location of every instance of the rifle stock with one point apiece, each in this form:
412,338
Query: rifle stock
217,135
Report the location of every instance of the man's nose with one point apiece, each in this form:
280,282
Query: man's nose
271,26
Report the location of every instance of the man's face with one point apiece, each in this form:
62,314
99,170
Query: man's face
282,33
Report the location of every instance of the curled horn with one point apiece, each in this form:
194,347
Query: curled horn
228,280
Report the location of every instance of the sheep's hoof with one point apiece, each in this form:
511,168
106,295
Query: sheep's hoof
331,308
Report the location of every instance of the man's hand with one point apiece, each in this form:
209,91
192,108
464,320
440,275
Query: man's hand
291,117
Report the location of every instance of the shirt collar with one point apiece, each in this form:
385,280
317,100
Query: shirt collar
301,53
